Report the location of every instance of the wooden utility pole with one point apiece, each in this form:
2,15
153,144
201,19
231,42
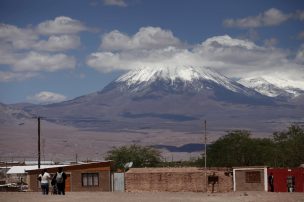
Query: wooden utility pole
206,180
205,144
38,142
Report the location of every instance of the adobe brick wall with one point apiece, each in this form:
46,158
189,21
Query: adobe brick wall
175,180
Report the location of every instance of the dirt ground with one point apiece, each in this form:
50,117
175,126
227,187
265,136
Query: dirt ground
87,145
153,196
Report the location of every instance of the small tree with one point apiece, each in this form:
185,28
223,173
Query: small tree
290,146
237,148
141,156
230,150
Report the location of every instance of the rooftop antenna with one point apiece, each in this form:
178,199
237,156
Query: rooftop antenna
128,165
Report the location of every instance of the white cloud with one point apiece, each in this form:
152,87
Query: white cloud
301,35
61,25
120,3
6,76
239,60
271,42
126,60
18,38
19,48
23,66
33,62
145,38
212,52
299,15
233,57
93,3
300,55
271,17
7,56
58,43
227,41
46,97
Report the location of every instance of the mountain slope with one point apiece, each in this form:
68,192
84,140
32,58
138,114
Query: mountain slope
190,77
168,98
13,115
147,82
271,88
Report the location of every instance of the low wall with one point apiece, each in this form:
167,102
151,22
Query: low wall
177,180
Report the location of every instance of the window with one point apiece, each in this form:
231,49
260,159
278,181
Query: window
253,177
90,179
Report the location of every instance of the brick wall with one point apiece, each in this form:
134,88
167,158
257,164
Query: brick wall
176,180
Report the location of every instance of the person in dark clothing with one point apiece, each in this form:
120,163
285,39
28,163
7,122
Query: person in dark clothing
54,185
270,181
60,178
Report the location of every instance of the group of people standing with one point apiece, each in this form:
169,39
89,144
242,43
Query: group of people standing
57,182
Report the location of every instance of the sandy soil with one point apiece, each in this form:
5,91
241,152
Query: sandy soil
59,143
155,196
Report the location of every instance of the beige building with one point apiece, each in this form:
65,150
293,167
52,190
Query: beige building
250,179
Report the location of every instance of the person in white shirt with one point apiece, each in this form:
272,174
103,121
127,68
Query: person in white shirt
44,178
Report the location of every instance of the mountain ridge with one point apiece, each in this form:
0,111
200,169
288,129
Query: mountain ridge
155,102
185,74
270,88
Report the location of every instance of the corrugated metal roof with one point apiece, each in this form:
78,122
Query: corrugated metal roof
107,164
22,169
41,162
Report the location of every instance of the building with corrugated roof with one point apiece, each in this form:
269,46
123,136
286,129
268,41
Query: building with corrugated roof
94,176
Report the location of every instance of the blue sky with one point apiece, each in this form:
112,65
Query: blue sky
53,50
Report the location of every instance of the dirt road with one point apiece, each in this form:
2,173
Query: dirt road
153,197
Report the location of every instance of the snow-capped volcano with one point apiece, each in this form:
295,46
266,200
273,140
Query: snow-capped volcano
185,73
174,98
196,78
273,87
